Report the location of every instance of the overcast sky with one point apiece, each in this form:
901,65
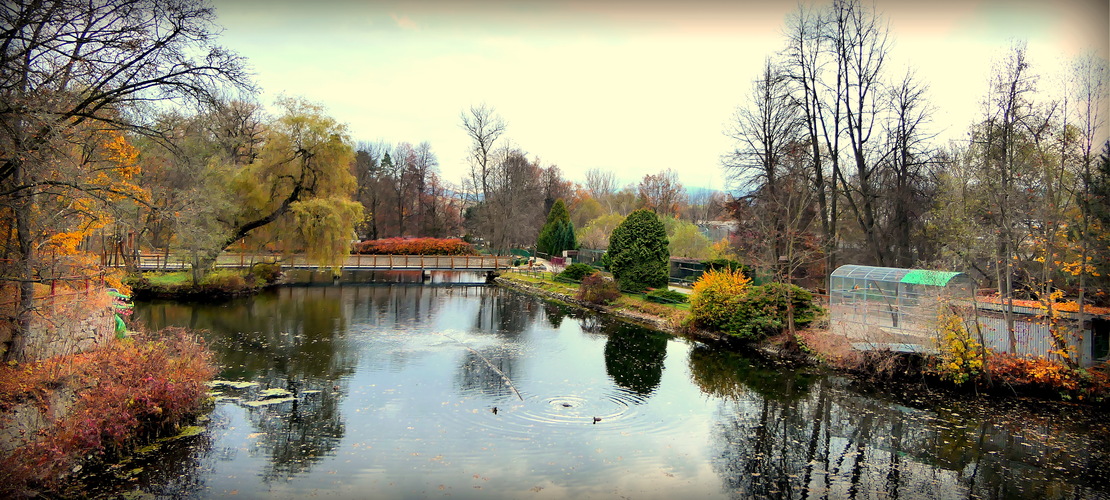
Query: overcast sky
632,87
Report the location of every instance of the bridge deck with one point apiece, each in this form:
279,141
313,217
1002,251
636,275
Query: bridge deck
352,262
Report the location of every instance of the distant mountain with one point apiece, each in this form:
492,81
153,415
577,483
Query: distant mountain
695,192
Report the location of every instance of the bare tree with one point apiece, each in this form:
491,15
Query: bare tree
818,95
484,126
600,183
909,152
1091,86
766,132
661,192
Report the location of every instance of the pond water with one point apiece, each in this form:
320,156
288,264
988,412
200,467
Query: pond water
430,391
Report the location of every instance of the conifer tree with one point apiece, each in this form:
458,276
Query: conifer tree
638,252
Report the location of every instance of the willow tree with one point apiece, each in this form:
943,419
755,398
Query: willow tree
300,188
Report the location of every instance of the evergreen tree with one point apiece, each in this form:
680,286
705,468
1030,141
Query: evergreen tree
558,233
638,252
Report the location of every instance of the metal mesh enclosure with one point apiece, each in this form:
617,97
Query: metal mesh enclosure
891,305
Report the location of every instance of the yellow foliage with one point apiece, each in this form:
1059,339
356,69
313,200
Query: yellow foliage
723,281
961,355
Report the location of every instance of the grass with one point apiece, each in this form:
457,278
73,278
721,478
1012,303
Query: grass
675,314
176,278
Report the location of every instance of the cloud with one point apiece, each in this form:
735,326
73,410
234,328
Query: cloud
404,22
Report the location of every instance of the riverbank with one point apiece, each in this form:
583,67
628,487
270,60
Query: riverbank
817,346
64,416
217,285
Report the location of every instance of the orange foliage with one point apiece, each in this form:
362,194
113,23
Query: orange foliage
1066,306
415,246
1043,373
126,392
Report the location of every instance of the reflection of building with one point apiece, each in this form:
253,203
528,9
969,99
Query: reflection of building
897,309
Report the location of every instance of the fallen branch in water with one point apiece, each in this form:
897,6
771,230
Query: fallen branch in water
488,363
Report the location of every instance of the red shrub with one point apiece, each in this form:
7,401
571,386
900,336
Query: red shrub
125,393
598,289
415,246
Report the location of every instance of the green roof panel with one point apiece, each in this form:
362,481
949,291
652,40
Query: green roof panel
926,277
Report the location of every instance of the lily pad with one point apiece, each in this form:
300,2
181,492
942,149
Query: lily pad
186,431
264,402
274,393
234,384
149,448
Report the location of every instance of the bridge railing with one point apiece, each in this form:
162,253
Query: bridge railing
357,261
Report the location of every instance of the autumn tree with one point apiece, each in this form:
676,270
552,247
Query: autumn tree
71,68
661,192
300,185
596,234
511,215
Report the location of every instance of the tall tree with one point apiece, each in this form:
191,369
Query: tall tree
70,67
557,233
661,192
484,127
766,134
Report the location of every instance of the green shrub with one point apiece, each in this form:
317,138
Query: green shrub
763,310
638,252
266,272
577,271
598,289
664,296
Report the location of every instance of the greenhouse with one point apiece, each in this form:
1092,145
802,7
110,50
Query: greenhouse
892,305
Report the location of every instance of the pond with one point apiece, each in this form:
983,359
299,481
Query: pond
463,391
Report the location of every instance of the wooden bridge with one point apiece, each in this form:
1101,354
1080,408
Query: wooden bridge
150,262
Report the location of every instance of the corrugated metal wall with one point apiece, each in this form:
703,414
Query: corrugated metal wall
1032,337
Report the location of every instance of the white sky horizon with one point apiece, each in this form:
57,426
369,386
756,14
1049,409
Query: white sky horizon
631,87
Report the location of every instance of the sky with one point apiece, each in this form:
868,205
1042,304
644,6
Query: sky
633,87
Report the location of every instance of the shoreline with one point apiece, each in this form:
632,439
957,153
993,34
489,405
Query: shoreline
879,369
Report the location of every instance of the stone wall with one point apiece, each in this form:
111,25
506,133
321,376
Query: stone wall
67,324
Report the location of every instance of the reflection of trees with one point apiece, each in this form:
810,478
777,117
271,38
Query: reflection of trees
592,323
298,433
634,357
505,313
476,375
555,315
730,374
291,338
784,439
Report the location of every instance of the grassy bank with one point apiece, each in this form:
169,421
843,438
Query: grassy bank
1001,375
96,406
219,284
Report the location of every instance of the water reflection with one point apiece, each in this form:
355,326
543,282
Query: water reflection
393,389
782,438
634,357
290,339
